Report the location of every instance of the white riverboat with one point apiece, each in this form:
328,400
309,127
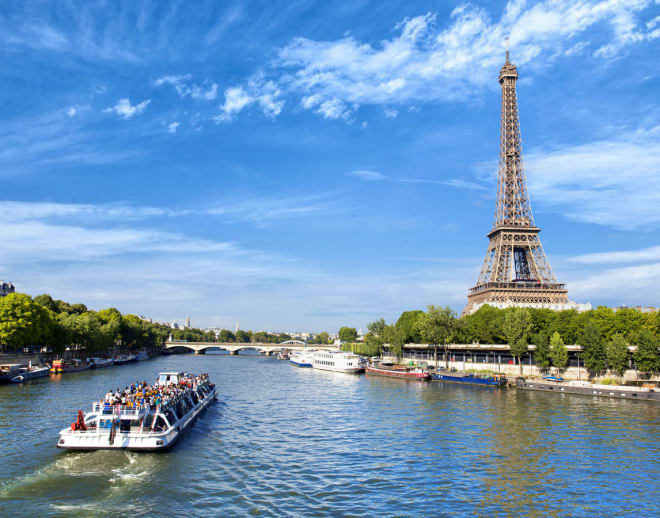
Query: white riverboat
149,418
338,361
302,358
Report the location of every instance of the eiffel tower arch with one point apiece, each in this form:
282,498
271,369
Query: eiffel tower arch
515,271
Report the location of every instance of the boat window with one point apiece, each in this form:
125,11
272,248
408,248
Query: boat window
162,380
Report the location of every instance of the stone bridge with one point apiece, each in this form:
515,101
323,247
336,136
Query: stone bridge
234,348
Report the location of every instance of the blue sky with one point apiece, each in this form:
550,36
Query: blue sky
307,165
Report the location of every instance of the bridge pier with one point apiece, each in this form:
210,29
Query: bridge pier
233,353
199,352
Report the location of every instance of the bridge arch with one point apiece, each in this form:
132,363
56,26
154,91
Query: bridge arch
292,342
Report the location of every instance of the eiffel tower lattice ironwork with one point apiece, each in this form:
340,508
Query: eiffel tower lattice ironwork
515,270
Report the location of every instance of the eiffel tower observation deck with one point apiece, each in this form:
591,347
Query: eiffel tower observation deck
515,271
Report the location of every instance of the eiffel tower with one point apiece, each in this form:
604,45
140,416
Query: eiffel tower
515,271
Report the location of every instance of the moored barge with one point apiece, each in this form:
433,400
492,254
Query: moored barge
146,418
494,380
590,389
399,371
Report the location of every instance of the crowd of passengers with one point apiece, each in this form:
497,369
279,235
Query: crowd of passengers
140,393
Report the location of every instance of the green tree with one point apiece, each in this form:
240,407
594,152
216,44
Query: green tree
542,350
47,302
323,337
437,326
226,336
242,337
558,351
23,322
395,338
646,355
348,334
617,354
407,324
593,348
517,323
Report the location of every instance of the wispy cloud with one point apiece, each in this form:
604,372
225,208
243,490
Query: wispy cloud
424,62
207,91
624,256
172,127
266,94
126,110
368,175
611,182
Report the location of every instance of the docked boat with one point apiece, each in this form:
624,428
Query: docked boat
31,372
124,358
490,380
9,371
142,355
65,366
398,371
586,388
150,418
283,354
302,358
99,363
338,361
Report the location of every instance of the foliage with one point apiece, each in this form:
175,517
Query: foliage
23,322
437,325
395,338
646,355
558,351
517,324
323,338
364,349
407,325
242,337
542,350
593,348
348,334
617,354
226,336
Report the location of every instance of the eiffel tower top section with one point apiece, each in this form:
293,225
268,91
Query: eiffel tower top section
512,208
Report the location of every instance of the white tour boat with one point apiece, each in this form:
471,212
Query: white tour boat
177,400
302,358
338,361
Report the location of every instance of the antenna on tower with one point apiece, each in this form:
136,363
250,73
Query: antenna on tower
507,48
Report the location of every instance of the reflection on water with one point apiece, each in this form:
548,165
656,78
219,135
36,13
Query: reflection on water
283,441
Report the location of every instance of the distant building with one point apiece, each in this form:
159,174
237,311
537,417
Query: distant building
174,325
187,323
6,288
557,306
641,309
146,319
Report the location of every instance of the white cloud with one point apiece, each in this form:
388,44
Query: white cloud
333,109
71,111
391,113
172,127
424,62
126,110
265,94
613,182
624,256
365,174
208,94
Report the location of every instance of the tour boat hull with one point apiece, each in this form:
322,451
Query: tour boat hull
153,441
470,379
399,373
300,364
590,389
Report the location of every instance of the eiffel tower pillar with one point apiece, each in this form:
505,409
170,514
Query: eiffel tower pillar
515,270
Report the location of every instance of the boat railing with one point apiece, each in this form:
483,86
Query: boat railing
120,410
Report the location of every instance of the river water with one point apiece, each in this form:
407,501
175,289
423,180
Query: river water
284,441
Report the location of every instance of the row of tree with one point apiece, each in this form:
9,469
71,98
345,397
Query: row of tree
46,322
603,334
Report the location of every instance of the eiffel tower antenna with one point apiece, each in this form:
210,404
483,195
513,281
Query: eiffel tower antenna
515,270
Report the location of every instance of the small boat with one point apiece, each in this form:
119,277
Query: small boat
398,371
9,371
124,358
283,354
65,366
302,358
139,425
99,363
338,361
30,372
553,378
142,355
494,380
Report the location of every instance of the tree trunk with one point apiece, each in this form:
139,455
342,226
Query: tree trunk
520,363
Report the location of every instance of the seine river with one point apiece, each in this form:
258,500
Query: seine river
284,441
